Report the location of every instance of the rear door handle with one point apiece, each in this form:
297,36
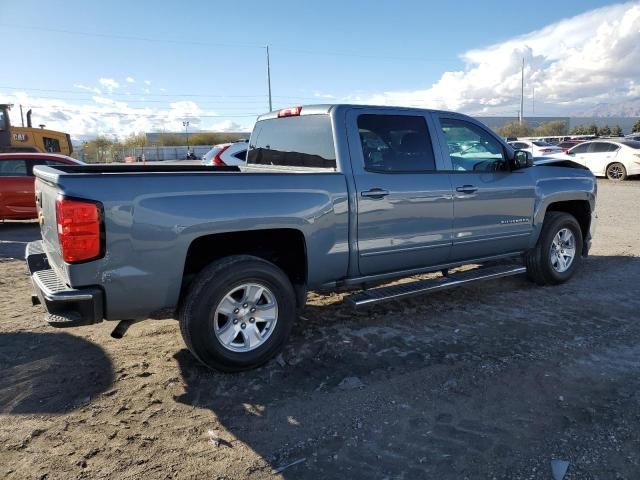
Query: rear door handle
467,189
374,193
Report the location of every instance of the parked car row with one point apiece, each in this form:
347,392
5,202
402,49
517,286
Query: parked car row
615,158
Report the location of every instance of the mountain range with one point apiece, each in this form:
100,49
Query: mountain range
629,108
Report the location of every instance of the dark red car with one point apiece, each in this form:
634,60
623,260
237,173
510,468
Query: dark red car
17,195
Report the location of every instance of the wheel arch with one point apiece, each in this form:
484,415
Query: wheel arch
284,247
579,209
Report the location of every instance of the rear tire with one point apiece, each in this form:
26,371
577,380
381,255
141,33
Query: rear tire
616,172
550,262
223,325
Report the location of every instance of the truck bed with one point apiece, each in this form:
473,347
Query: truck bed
142,168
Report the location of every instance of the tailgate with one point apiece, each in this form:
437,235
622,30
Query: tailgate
46,194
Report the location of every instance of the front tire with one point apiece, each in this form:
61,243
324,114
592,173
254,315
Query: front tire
616,172
238,313
558,253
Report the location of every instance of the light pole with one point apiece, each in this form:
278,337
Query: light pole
269,79
185,124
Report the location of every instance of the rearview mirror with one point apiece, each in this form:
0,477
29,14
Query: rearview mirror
522,159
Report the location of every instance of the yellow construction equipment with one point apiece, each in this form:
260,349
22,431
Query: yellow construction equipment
29,139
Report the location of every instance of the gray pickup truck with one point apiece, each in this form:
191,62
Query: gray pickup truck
332,197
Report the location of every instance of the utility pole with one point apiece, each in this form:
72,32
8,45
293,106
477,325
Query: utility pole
21,116
522,94
269,79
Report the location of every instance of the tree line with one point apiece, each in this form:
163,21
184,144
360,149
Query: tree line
105,149
558,128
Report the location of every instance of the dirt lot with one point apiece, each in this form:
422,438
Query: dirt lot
489,381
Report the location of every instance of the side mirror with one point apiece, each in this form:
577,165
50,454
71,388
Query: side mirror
522,159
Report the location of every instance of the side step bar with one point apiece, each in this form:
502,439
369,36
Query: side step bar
394,292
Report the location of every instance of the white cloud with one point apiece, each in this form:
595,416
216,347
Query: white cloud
589,58
228,126
326,96
88,89
130,80
109,84
108,116
147,82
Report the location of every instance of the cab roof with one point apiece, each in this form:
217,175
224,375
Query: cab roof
320,109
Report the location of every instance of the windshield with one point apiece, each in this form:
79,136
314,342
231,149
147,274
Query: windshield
542,144
632,144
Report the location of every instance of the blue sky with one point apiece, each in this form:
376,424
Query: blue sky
205,61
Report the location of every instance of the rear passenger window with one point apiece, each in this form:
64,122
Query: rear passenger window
298,141
13,168
581,148
395,143
602,147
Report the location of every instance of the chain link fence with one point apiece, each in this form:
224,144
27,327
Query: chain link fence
147,154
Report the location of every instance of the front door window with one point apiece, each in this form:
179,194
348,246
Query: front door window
471,148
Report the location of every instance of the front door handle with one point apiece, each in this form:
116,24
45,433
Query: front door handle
375,193
467,189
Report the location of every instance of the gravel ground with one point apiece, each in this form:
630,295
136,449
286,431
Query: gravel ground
494,380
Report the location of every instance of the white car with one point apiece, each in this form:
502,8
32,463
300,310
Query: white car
227,154
614,159
537,148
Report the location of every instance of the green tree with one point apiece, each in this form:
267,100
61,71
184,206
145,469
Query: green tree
616,131
213,138
592,129
170,140
514,129
97,150
606,131
636,127
550,129
578,130
134,140
203,138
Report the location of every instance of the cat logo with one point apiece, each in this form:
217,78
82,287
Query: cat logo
20,137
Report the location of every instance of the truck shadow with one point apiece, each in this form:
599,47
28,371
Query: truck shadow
14,237
302,405
50,372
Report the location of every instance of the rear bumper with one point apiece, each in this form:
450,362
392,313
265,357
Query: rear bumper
66,306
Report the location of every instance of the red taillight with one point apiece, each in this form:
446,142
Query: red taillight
78,229
290,112
216,158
